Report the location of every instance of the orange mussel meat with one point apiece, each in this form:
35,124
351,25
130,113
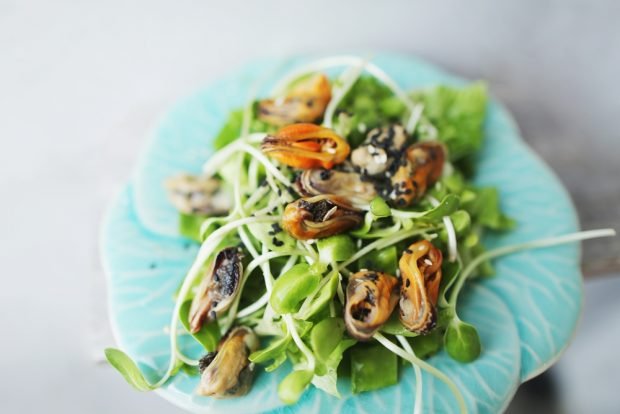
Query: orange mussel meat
420,268
306,146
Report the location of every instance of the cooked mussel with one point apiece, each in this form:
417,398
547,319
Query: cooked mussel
320,216
306,146
305,102
371,298
228,372
218,288
192,194
420,271
380,149
416,172
348,185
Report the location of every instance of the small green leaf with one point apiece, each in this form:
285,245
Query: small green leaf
462,341
273,350
322,299
293,385
426,345
208,336
458,116
450,272
336,248
369,218
384,260
444,317
394,327
190,370
292,287
277,361
454,183
449,204
327,379
128,369
230,131
461,221
325,336
372,367
380,208
485,209
189,225
303,327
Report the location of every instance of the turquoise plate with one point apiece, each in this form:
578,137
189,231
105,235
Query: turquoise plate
526,314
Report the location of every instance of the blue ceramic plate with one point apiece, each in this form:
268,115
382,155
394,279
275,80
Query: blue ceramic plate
526,314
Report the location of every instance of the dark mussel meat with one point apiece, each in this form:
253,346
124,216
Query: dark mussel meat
319,216
218,288
371,298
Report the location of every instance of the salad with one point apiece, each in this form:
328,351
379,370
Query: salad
337,226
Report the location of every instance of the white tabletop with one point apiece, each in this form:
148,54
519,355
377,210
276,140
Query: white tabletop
82,81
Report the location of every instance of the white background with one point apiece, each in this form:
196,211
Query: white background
82,81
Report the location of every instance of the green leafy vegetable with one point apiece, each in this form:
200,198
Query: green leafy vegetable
293,385
370,104
426,345
325,336
230,131
276,352
189,226
372,367
208,336
486,210
380,208
447,206
393,326
462,341
128,369
327,381
336,248
292,287
323,298
458,115
384,260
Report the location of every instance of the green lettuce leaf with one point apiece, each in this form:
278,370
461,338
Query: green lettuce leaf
458,115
